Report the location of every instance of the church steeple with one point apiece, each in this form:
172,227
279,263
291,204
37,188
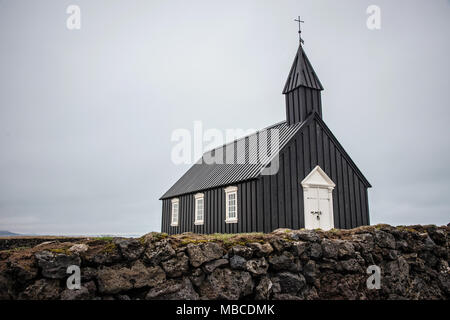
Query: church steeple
302,89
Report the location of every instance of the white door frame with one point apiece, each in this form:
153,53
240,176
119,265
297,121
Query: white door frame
317,178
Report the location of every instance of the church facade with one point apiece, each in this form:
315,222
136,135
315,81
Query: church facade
294,174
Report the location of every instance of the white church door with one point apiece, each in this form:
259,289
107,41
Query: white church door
318,200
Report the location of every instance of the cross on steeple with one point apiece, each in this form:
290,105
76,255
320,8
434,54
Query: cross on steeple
300,29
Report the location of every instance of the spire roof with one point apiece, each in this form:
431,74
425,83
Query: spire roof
302,74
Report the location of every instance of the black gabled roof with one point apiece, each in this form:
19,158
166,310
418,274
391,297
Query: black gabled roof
202,176
302,74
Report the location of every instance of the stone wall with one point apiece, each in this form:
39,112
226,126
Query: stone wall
285,264
7,243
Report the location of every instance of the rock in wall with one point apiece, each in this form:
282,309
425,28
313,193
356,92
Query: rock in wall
285,264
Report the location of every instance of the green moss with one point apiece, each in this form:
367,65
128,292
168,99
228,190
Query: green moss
109,248
142,241
195,241
160,236
105,238
61,251
228,239
16,249
407,229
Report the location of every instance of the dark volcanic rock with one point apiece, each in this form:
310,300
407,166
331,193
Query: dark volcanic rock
284,261
131,249
158,252
289,282
173,290
263,290
257,266
227,284
177,266
213,265
197,276
305,235
242,251
384,239
330,248
117,279
315,250
261,250
42,289
22,271
79,294
54,265
104,255
237,262
199,254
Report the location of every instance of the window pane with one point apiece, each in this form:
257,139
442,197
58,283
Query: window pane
199,207
231,205
175,213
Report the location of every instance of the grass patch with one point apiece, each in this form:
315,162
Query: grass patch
61,251
108,239
16,249
228,239
407,229
109,248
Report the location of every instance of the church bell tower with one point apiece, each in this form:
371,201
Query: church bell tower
302,89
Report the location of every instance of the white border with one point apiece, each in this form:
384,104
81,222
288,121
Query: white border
196,197
177,201
228,191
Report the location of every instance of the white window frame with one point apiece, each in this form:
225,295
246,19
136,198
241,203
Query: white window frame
175,203
229,191
198,197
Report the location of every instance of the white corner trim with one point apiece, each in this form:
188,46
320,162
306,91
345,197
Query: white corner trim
230,189
326,181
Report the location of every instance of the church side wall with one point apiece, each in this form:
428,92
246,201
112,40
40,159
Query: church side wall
214,219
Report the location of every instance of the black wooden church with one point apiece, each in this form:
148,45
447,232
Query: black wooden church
306,181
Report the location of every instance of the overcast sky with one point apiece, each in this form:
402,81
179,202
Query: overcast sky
86,116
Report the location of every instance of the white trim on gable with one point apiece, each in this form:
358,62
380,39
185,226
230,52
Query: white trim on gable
318,178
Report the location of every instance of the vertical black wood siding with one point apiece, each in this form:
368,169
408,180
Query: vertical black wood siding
214,215
310,147
276,201
301,102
